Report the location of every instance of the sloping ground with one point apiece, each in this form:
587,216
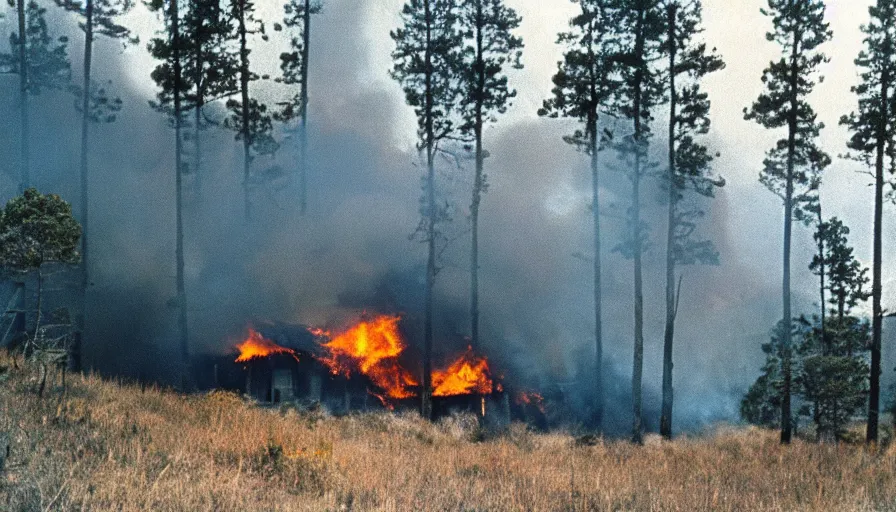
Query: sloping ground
105,446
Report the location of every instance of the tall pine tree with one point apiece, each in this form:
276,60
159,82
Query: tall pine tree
249,118
872,142
489,47
641,30
294,67
99,18
171,49
583,90
793,165
41,62
688,173
425,56
212,67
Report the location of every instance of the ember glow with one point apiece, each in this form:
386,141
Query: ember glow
530,398
257,346
371,348
468,375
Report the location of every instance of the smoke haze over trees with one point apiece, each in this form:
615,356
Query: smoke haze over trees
350,251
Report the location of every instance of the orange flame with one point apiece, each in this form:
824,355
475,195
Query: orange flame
468,375
257,346
371,348
530,398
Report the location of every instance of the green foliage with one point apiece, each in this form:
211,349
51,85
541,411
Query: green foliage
846,278
489,46
833,373
36,229
872,124
639,29
46,58
260,126
425,66
799,29
691,61
588,75
762,403
293,68
210,62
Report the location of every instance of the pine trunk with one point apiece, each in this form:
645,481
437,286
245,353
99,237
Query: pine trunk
25,156
477,182
786,359
826,346
199,56
85,143
244,93
178,185
85,183
595,216
871,435
426,396
638,360
598,321
303,134
671,306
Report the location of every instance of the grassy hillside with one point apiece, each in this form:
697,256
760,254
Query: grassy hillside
105,446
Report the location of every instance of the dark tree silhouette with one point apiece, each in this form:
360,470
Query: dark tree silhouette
41,62
872,142
688,173
489,47
583,89
793,166
426,59
294,66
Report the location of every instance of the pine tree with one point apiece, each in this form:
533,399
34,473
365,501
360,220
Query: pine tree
249,118
792,167
641,29
426,56
489,47
873,141
294,67
833,375
583,90
41,62
171,49
96,104
211,66
689,172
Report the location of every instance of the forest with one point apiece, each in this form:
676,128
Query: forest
584,222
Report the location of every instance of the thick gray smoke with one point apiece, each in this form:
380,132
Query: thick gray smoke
352,251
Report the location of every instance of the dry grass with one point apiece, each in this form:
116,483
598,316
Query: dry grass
104,446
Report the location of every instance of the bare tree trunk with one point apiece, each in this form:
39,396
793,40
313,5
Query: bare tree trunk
426,395
598,320
786,359
178,173
303,135
638,360
671,306
25,156
244,92
596,81
85,143
871,434
200,103
477,183
825,345
40,304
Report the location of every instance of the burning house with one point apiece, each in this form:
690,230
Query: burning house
362,367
